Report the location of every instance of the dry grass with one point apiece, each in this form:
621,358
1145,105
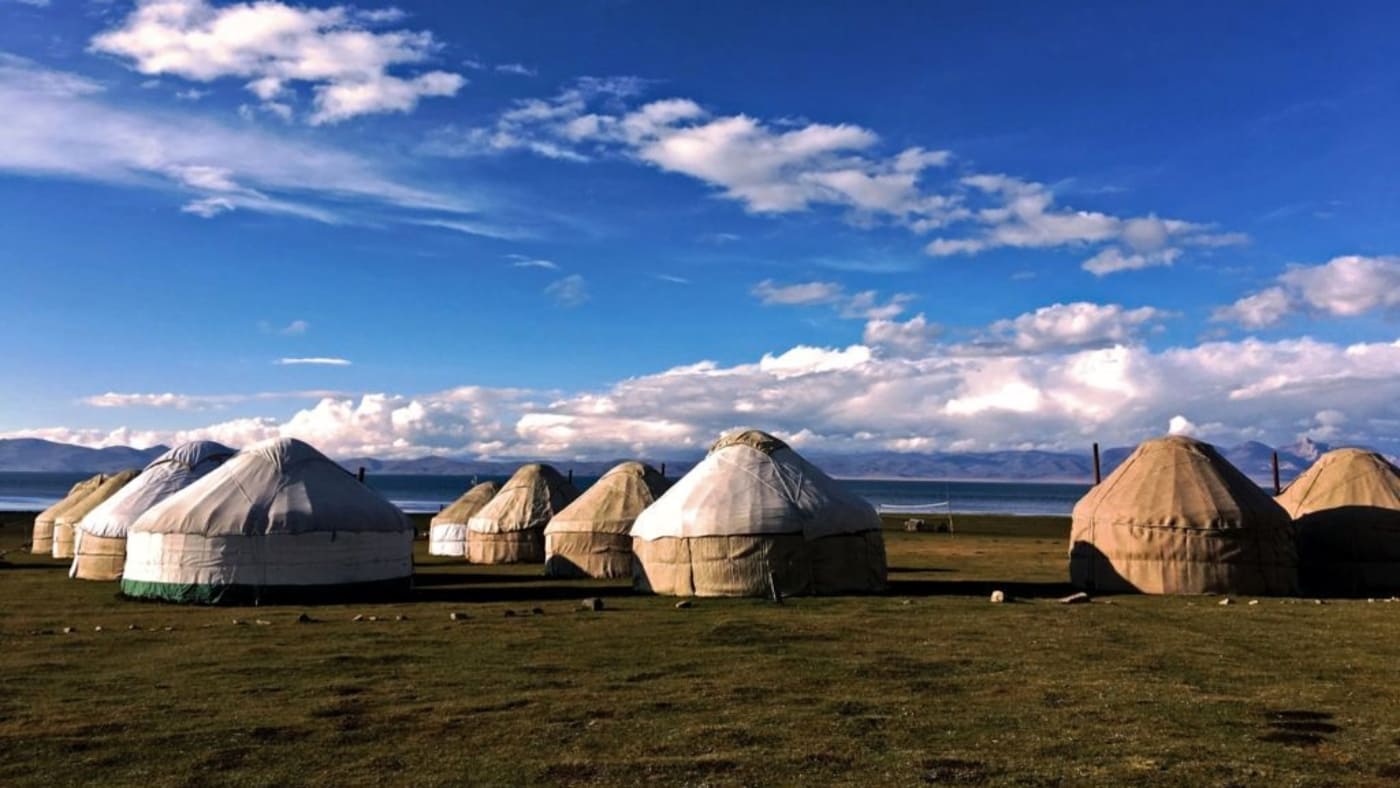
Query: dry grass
928,684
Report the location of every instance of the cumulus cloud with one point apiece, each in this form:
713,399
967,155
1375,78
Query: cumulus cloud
855,398
275,46
1071,327
322,361
58,124
569,291
1345,286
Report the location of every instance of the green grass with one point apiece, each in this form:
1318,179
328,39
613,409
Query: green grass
930,683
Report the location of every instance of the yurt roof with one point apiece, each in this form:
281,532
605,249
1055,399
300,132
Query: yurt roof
470,502
281,485
1177,482
1342,478
613,502
532,495
164,476
76,493
109,487
752,483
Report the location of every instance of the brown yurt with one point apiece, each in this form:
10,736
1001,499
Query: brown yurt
41,543
510,529
1178,518
1346,509
592,537
447,533
65,524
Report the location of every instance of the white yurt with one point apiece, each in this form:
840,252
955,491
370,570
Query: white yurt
754,508
65,526
41,542
510,529
100,541
279,521
592,537
447,533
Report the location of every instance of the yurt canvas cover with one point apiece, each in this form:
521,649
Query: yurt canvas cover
41,543
592,537
754,507
510,529
65,525
1178,518
1346,509
447,533
100,544
278,521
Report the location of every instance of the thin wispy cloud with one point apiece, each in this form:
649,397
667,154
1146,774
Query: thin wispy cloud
570,291
516,69
323,361
679,280
174,401
548,265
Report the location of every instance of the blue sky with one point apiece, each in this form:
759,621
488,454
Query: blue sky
608,228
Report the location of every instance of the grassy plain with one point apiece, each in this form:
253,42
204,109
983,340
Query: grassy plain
928,684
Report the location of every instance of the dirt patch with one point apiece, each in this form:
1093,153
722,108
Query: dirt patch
1298,727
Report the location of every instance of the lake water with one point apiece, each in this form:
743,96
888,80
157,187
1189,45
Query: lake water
38,491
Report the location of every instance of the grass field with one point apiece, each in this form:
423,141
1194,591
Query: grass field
928,684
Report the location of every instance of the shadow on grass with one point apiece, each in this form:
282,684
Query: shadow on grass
1015,589
899,570
516,593
4,567
430,579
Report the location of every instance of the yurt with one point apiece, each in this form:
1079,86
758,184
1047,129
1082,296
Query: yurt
100,544
447,533
592,537
41,542
65,524
279,521
510,529
1346,509
754,508
1177,518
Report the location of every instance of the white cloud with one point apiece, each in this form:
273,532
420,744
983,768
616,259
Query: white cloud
908,338
1345,286
784,166
1072,326
1180,425
802,294
517,69
673,279
854,398
323,361
58,124
174,401
275,46
295,328
570,291
529,262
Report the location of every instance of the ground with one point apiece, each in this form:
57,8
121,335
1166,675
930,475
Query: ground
929,684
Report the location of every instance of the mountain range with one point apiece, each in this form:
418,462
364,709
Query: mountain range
1254,458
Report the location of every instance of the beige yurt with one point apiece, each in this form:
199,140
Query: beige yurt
1346,509
279,521
1178,518
42,541
754,508
100,545
447,533
65,525
592,537
510,529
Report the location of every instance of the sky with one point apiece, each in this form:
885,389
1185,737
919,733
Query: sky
603,229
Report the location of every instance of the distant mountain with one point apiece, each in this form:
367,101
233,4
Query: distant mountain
33,454
1253,458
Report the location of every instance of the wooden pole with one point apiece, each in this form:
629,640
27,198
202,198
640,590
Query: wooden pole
1098,471
663,470
571,476
1277,488
361,474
